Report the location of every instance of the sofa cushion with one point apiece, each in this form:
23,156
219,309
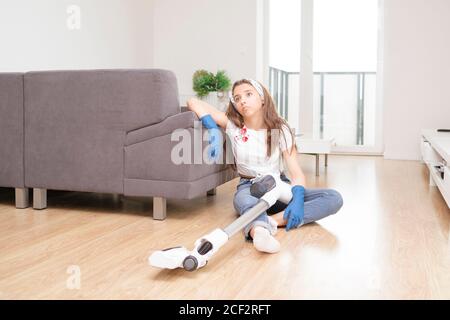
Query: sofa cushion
127,99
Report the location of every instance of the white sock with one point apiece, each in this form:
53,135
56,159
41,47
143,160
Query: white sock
273,225
264,241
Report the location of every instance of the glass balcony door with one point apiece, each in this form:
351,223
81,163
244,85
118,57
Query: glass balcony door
345,64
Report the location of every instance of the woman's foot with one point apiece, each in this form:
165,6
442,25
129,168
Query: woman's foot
278,217
264,241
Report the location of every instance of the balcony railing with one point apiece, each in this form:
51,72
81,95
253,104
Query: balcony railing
334,93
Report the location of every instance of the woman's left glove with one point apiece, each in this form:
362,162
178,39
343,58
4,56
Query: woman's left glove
215,139
295,210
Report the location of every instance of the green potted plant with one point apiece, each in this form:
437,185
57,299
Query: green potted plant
212,87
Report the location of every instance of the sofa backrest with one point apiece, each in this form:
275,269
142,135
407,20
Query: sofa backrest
76,121
131,98
11,130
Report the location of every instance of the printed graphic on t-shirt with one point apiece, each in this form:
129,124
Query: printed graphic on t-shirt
242,136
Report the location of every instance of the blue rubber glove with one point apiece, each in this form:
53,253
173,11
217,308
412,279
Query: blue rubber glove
215,137
295,210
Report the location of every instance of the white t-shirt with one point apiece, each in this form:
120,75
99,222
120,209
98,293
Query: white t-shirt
250,150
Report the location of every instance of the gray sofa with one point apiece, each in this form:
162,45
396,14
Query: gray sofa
109,131
11,136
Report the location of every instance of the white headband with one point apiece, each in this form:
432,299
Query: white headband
255,85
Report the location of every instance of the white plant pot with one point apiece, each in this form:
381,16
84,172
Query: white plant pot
217,99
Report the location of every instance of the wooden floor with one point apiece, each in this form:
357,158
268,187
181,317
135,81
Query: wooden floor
389,241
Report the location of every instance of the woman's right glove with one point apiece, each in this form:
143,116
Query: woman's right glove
295,210
215,137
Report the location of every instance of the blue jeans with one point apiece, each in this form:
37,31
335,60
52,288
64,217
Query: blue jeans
319,203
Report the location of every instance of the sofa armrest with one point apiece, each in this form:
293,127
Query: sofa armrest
182,120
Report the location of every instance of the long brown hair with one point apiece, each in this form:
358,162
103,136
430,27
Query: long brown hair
270,116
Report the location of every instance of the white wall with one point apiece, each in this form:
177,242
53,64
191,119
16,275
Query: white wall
114,34
416,73
207,34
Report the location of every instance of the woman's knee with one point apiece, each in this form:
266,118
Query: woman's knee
336,200
243,202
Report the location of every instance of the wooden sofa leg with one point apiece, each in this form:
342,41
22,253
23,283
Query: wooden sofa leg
159,208
22,198
39,198
211,192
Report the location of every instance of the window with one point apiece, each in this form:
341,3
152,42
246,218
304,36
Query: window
344,63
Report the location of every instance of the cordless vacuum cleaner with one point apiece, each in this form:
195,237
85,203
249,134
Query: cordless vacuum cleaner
268,188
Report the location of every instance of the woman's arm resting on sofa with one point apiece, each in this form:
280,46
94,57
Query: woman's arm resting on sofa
202,108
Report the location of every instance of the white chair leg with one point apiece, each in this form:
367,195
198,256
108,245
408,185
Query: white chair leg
39,198
22,198
317,164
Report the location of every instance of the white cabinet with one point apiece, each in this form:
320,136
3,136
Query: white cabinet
435,148
447,179
429,155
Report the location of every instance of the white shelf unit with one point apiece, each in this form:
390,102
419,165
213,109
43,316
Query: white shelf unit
435,148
